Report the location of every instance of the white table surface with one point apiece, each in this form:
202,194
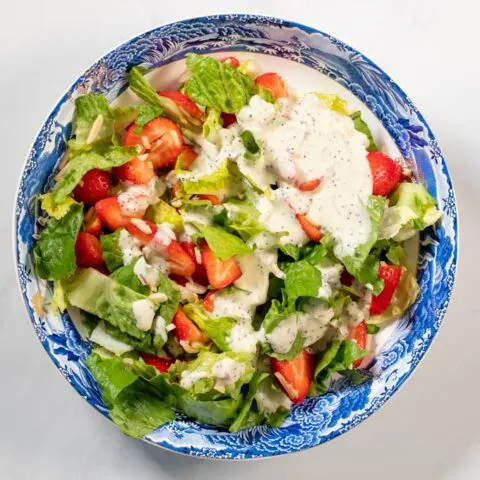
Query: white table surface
431,428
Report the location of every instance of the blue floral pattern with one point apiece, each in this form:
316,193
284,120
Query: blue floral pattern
316,420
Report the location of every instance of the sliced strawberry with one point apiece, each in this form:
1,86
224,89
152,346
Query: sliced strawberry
161,140
391,276
91,223
199,275
346,278
314,233
358,334
94,186
386,173
272,82
310,185
136,171
232,61
183,103
187,157
228,119
295,375
160,363
186,330
102,269
208,302
179,279
88,251
142,230
179,260
110,214
220,273
213,199
176,189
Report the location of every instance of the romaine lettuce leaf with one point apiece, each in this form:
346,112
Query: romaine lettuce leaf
252,147
146,113
302,279
264,94
212,125
242,418
213,183
362,265
53,209
162,212
112,254
334,102
126,276
217,85
59,300
361,126
167,309
223,244
101,157
124,116
54,252
291,250
217,329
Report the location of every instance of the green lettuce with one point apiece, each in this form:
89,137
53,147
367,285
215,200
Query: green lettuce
126,276
217,329
213,183
362,265
264,94
361,126
134,405
167,309
252,147
112,254
54,252
337,357
162,212
103,158
334,102
124,116
212,125
98,294
217,85
223,244
146,113
53,209
302,279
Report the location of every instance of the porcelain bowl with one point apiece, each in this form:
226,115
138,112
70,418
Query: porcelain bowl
310,60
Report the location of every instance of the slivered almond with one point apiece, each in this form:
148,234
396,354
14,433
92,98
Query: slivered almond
141,225
291,392
95,130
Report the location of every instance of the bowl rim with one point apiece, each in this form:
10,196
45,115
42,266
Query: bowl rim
274,21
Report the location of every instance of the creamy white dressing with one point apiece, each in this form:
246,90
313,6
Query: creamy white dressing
144,312
160,327
147,274
129,247
226,372
269,398
194,215
281,338
330,279
189,379
243,338
137,198
313,324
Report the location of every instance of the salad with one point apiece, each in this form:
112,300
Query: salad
228,247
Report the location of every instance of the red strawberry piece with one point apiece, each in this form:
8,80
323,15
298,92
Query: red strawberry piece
91,223
358,334
142,230
213,199
272,82
136,171
110,214
94,186
310,185
88,251
179,260
199,275
386,173
313,232
295,376
183,103
186,330
208,301
102,269
160,138
228,119
391,276
160,363
220,273
346,278
232,61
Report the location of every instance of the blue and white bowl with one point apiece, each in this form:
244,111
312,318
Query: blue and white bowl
312,55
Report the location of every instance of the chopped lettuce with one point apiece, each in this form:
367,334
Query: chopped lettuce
362,265
167,309
334,102
412,209
252,147
124,116
54,252
217,85
302,279
59,299
134,405
337,357
223,244
361,126
112,253
264,94
101,157
212,183
125,275
217,329
53,209
146,113
96,293
212,125
162,212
